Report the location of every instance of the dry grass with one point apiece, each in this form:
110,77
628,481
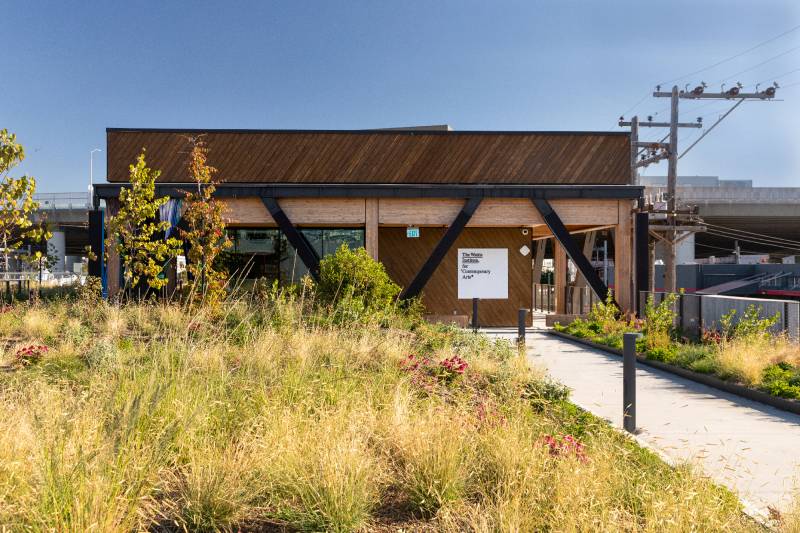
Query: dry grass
745,359
147,416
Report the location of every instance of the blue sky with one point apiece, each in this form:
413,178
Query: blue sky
71,69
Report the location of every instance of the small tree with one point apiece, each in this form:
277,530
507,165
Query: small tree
206,234
134,232
17,205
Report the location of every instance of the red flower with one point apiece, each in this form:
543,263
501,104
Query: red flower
28,355
454,364
565,445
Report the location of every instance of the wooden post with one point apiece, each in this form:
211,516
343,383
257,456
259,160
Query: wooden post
560,277
623,256
371,227
538,260
588,245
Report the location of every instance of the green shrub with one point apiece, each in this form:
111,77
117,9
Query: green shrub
352,281
666,354
750,326
605,314
704,366
658,322
688,354
544,392
782,379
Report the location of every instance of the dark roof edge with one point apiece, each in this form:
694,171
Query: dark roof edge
365,132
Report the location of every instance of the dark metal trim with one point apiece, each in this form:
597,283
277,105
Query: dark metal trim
642,251
379,190
97,266
574,252
442,247
306,252
389,131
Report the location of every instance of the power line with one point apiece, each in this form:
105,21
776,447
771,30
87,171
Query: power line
731,58
763,235
754,239
634,106
724,249
775,78
751,240
773,58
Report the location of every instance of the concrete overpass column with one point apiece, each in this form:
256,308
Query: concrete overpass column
57,249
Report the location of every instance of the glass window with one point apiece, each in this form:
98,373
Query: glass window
254,253
266,253
334,238
323,241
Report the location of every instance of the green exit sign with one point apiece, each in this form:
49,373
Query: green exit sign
412,233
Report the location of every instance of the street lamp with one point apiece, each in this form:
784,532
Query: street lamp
91,173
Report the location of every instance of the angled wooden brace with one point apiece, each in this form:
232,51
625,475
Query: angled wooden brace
304,249
442,247
574,252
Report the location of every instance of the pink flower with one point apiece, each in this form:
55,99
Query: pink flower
28,355
565,445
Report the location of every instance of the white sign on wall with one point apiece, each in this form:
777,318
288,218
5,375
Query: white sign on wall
483,273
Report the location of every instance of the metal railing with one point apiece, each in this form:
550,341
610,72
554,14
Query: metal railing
577,300
63,200
544,297
696,312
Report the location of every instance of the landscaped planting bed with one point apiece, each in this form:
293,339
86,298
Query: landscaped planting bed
742,351
271,414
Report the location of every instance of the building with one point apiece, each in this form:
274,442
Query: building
760,220
450,214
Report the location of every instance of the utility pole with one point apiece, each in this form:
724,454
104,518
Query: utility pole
679,223
647,153
670,271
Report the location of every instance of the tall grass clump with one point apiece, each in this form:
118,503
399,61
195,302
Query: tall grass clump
266,414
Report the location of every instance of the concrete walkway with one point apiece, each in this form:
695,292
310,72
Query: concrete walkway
751,448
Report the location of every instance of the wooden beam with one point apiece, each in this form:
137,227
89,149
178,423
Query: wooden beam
538,261
560,277
623,257
442,247
371,216
588,246
574,232
561,234
307,254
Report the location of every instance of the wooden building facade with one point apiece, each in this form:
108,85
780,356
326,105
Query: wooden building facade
293,196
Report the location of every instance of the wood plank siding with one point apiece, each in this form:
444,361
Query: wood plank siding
493,212
410,157
403,257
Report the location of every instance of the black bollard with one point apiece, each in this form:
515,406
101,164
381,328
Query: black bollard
629,381
522,316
